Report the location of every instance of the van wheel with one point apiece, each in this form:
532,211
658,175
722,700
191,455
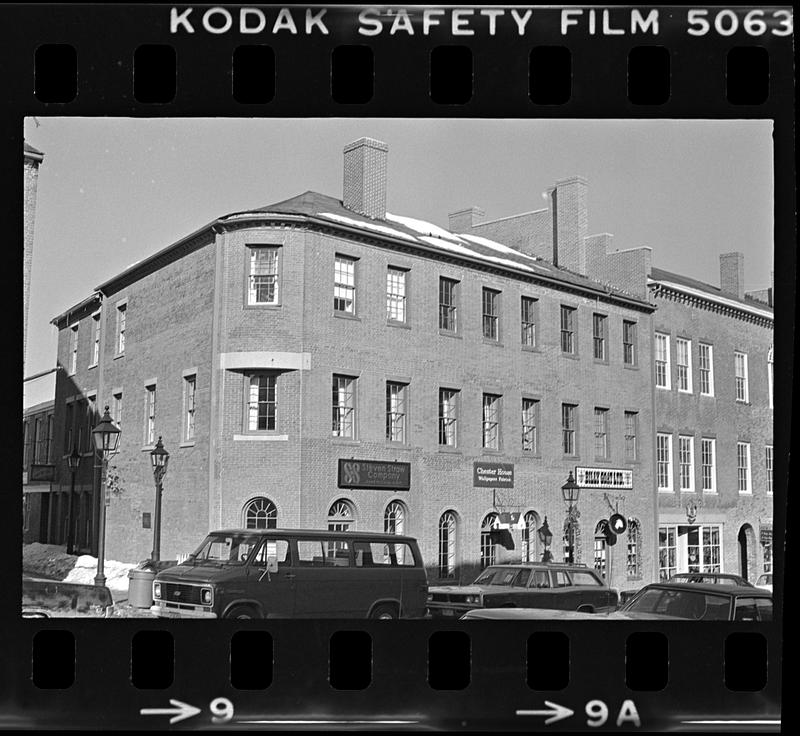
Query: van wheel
586,609
241,612
384,612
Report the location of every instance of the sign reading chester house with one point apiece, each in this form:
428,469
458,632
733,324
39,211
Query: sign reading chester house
493,475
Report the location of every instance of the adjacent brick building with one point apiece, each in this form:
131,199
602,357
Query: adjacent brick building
321,362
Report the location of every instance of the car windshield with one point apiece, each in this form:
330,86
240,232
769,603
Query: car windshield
687,604
496,576
225,549
699,577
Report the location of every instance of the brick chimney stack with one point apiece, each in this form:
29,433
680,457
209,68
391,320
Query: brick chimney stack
464,220
731,274
570,223
364,186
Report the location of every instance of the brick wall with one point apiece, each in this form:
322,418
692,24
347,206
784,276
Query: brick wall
529,232
30,182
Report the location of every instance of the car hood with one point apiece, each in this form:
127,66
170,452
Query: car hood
460,589
200,573
529,613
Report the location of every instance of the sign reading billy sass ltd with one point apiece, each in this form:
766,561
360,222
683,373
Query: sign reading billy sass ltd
374,474
604,478
493,475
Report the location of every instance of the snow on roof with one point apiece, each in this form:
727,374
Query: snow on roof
368,225
422,227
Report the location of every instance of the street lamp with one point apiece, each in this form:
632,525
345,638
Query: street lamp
545,537
159,457
73,461
570,491
106,439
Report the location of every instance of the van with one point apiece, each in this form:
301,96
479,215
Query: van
295,573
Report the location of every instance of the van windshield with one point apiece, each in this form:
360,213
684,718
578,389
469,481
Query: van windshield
225,549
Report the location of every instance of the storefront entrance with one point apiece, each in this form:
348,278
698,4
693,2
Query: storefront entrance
689,548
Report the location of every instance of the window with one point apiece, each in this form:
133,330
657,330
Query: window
447,304
69,422
189,389
262,280
448,417
261,402
50,438
150,414
344,285
488,553
344,406
394,518
743,480
766,546
686,462
73,349
260,513
601,433
341,517
742,388
396,412
600,549
629,342
768,467
528,321
599,322
708,469
447,544
96,338
36,452
396,294
530,422
667,552
491,421
568,330
631,436
122,311
491,319
770,376
91,421
633,562
664,461
692,549
662,361
529,537
568,412
683,361
706,369
116,404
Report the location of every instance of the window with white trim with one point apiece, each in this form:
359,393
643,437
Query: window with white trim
396,411
528,321
341,518
530,423
150,414
568,424
664,461
599,328
633,567
448,306
683,364
601,433
491,421
629,342
262,279
529,537
743,480
95,338
706,369
662,361
122,313
770,373
343,400
631,436
742,382
448,529
261,401
708,464
73,349
396,294
344,285
568,344
491,314
488,551
189,391
768,467
260,513
686,462
448,417
394,518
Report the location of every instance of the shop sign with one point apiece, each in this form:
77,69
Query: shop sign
613,479
374,474
766,534
45,473
493,475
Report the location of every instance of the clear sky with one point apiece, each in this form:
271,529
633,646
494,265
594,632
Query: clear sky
115,190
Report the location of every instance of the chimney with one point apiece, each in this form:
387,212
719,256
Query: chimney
731,274
364,189
464,220
570,223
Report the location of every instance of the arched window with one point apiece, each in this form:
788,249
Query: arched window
448,527
340,516
530,537
260,513
633,565
394,518
487,545
600,549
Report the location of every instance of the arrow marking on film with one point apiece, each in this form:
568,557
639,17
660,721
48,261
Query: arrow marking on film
179,711
555,712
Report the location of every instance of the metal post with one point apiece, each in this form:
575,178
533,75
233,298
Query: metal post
571,536
70,519
155,556
100,578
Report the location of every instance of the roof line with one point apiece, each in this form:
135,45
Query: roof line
509,217
714,298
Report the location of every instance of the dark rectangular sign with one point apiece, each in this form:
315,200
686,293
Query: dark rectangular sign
374,474
42,473
493,475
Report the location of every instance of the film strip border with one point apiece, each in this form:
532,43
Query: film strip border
407,674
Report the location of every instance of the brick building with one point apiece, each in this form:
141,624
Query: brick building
31,159
714,415
321,362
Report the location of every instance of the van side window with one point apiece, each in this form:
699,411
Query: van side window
277,548
309,552
378,554
338,552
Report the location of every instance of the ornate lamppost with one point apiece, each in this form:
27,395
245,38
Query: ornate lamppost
106,438
73,461
570,491
545,537
159,458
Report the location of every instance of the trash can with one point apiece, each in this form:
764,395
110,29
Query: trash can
140,587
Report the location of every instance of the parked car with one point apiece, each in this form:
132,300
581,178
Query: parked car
295,573
552,586
765,581
43,598
710,578
668,601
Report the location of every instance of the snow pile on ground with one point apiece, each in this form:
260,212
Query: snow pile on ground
116,573
51,560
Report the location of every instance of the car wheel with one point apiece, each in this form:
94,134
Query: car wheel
586,609
241,612
384,611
